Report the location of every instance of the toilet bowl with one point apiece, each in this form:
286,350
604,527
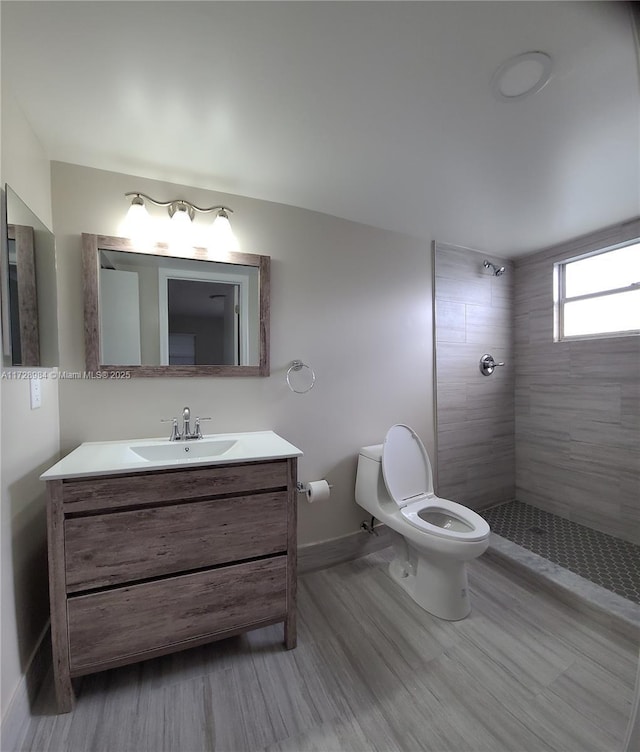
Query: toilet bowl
434,537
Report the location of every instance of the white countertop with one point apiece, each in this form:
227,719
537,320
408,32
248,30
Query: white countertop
117,457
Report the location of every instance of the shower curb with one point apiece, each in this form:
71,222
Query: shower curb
609,609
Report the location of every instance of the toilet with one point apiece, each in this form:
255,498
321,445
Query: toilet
434,537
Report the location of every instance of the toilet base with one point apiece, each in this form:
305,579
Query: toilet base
439,587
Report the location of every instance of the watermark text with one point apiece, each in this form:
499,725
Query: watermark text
54,375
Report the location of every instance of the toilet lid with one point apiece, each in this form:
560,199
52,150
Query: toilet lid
405,465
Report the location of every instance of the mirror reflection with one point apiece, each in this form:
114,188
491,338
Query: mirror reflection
153,312
167,311
30,332
23,299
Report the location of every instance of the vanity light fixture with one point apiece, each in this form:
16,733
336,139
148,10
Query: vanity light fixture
181,215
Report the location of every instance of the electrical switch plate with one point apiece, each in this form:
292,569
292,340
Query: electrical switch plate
36,393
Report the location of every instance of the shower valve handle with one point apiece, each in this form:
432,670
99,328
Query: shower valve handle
487,364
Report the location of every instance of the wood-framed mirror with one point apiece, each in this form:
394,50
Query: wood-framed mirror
157,312
23,296
28,294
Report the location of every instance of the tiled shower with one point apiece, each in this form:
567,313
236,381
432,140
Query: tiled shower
577,406
556,427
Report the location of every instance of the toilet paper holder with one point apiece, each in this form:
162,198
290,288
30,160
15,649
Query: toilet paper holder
302,488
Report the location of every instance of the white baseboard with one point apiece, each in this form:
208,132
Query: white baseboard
351,546
18,713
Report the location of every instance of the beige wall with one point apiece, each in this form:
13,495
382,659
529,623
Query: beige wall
352,301
24,162
577,405
29,440
475,418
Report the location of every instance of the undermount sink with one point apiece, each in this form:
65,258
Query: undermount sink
183,450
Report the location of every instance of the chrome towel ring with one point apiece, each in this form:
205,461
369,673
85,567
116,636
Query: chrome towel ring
295,367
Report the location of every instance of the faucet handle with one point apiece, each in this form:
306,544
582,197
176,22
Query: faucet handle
197,431
175,433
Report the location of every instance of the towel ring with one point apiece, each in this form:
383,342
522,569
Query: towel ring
298,365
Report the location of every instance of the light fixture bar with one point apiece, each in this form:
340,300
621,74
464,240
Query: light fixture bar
137,225
176,202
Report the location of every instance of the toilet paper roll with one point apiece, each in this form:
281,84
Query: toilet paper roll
317,490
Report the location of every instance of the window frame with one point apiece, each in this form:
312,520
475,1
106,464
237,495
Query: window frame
560,298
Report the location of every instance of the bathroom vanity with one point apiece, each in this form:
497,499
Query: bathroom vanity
147,557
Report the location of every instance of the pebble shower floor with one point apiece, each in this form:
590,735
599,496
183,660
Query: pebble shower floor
609,562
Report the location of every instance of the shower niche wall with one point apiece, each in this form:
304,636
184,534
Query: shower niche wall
475,430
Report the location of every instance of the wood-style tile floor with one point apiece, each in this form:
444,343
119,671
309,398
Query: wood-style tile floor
372,672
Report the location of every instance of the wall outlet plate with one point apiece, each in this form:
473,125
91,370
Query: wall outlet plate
36,393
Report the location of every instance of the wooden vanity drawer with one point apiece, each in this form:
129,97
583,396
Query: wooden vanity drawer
117,547
117,624
140,489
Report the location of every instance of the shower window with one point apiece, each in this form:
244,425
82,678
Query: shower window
599,294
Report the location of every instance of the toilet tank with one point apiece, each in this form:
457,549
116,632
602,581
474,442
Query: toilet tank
371,492
373,452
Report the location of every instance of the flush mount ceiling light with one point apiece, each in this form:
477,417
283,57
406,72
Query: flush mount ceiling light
521,76
181,214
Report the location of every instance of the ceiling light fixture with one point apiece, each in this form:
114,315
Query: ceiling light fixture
181,214
521,76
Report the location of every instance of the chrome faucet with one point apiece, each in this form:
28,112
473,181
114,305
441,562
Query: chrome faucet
186,424
175,433
187,434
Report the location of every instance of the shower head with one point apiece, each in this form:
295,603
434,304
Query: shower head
497,270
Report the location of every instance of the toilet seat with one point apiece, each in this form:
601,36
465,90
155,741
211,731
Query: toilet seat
478,528
407,475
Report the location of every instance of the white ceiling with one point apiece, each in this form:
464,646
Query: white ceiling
378,112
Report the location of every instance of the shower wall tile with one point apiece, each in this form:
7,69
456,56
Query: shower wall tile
599,458
577,405
485,326
630,509
599,359
453,263
473,440
564,402
502,289
470,291
477,480
452,318
475,461
613,436
541,363
538,498
453,400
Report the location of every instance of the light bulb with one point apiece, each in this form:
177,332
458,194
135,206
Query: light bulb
221,237
180,229
137,224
